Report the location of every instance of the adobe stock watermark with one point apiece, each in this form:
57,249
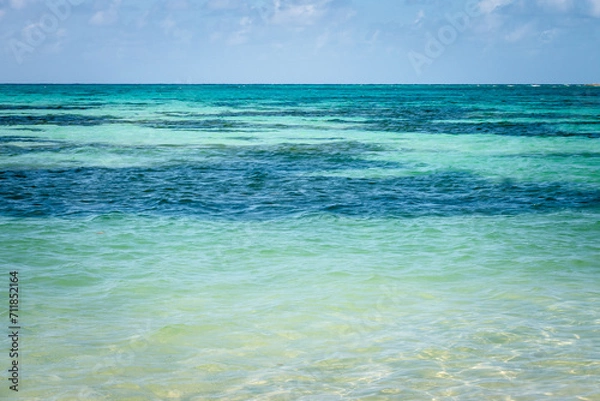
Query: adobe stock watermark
445,36
34,34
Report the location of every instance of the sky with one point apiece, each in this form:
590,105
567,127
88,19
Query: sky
300,41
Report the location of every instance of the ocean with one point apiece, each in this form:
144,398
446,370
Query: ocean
301,242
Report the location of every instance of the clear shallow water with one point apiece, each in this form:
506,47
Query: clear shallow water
316,242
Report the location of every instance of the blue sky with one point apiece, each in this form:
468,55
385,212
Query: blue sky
300,41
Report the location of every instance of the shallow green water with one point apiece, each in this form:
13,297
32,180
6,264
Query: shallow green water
303,243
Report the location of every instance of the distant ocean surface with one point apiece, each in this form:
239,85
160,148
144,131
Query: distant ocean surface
302,242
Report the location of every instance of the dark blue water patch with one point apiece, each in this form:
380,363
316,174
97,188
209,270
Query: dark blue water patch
21,138
403,110
7,148
507,127
291,158
195,124
270,112
554,155
511,128
50,107
222,125
403,123
244,138
326,154
59,119
28,129
333,153
258,192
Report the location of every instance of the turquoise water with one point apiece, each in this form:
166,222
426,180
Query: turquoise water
303,242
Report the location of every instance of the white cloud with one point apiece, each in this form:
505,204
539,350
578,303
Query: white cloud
168,24
171,29
549,35
323,40
18,4
559,5
142,20
221,5
108,16
420,17
595,8
240,36
54,48
2,13
520,33
489,6
298,12
239,20
178,5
